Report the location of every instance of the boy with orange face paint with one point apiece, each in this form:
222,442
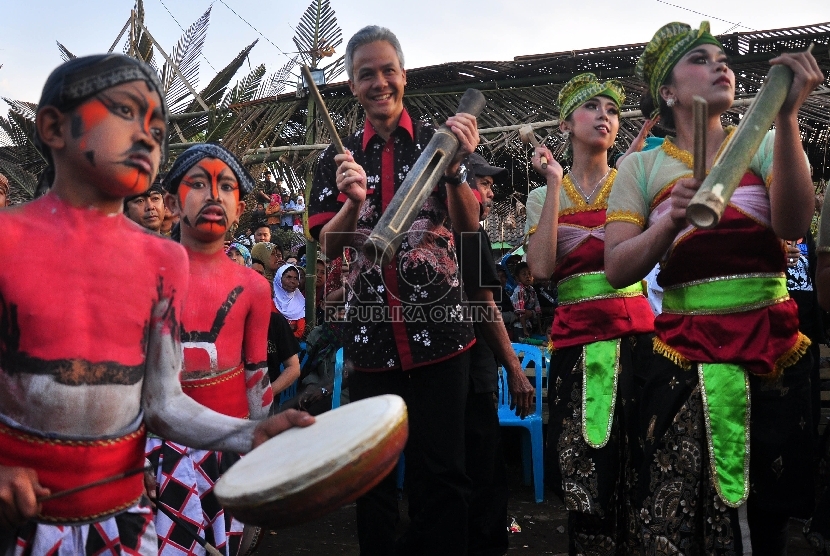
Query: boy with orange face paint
90,347
224,337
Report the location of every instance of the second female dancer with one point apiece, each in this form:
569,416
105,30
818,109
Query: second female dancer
599,334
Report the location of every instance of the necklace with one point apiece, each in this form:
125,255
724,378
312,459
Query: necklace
591,194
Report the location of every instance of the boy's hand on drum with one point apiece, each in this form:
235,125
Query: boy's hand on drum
280,422
19,490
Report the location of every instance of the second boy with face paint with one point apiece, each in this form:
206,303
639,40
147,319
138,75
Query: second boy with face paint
224,337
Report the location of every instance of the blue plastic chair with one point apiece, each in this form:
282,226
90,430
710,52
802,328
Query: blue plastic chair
338,379
533,442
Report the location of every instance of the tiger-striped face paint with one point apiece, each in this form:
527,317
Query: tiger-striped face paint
208,197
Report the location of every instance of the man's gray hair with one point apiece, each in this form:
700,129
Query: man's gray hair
370,33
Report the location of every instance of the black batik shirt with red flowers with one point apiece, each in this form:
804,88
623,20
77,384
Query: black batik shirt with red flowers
411,312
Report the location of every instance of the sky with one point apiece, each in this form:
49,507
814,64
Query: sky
430,31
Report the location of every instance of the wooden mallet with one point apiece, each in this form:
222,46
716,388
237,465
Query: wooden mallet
527,135
324,112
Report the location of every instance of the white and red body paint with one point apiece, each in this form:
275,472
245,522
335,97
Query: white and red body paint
225,326
89,329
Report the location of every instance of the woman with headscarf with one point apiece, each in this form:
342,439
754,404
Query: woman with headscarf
240,254
267,253
599,332
728,332
288,299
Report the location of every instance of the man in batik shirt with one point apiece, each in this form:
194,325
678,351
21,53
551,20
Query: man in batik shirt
407,330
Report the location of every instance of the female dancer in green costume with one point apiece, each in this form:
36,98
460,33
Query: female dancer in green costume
728,334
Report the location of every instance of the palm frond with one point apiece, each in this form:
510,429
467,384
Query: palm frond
318,33
185,55
26,109
212,94
65,54
246,88
216,88
335,69
275,84
22,184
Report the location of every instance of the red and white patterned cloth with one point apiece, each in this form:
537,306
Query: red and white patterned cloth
185,486
129,533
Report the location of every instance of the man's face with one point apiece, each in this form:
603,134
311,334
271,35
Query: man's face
525,277
208,200
262,234
379,81
484,185
147,210
115,138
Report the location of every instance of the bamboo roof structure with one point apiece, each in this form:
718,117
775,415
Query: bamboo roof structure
524,91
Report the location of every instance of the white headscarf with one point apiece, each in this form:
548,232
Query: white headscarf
291,305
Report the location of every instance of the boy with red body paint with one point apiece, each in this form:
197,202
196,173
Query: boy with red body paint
224,337
90,347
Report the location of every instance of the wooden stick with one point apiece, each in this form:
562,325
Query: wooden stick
99,482
701,115
324,112
209,548
527,135
709,203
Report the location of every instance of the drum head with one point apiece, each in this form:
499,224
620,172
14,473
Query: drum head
304,473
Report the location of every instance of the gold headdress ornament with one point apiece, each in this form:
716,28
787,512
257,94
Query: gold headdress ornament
664,50
584,87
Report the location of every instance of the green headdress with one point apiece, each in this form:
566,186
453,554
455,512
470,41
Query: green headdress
666,47
584,87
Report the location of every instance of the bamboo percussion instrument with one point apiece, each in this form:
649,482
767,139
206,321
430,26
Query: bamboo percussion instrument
324,112
700,115
398,217
527,135
709,203
304,473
